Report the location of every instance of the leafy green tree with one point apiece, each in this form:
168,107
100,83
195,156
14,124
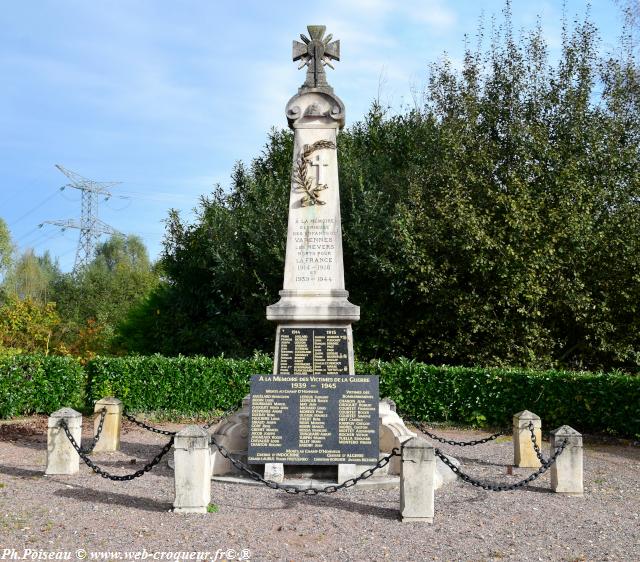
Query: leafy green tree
95,300
31,276
27,325
223,270
6,247
499,224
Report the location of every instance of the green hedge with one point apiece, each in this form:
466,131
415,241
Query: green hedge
590,402
34,384
187,385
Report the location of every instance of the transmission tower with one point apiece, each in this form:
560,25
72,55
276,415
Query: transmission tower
90,226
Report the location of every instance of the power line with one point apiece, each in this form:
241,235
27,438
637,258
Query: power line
38,206
90,226
37,243
19,239
44,237
126,206
158,196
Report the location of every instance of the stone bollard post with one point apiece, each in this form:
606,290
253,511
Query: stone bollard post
524,455
417,480
109,439
192,459
62,458
566,472
347,471
274,471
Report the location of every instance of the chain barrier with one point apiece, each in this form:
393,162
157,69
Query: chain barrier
148,427
534,442
504,487
422,428
206,426
89,449
93,466
331,489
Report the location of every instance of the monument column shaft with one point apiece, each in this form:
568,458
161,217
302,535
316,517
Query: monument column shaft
313,290
314,317
314,237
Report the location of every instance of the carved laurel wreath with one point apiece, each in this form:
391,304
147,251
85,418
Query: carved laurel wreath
302,183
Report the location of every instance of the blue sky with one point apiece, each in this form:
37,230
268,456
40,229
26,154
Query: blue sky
166,95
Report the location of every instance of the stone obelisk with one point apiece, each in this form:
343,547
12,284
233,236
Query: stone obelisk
313,293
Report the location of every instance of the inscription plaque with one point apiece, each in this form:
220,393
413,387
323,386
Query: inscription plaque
314,419
317,351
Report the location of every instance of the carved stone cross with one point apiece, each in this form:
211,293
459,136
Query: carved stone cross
319,162
315,53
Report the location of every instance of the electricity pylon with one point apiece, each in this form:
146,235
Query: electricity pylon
90,226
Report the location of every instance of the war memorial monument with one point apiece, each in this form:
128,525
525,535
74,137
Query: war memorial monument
313,409
313,425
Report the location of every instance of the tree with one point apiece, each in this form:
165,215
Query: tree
498,225
31,276
224,270
95,300
27,325
6,247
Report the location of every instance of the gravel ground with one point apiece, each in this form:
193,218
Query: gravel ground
66,513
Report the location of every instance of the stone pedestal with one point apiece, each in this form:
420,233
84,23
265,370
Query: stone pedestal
347,472
524,455
313,290
417,481
233,433
110,436
313,293
62,458
192,460
567,471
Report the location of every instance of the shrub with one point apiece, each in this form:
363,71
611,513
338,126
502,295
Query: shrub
590,402
35,384
608,402
187,385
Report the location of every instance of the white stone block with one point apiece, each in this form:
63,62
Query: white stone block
192,458
524,455
313,288
347,471
109,439
274,471
62,458
567,471
417,481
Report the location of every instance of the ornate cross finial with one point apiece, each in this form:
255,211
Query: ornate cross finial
316,53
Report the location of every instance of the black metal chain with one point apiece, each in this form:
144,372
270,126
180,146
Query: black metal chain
103,472
534,442
148,427
89,449
206,426
503,487
331,489
421,427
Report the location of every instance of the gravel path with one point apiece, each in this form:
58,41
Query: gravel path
66,513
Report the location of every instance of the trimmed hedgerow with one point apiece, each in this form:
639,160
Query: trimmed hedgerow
186,385
590,402
607,402
38,384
